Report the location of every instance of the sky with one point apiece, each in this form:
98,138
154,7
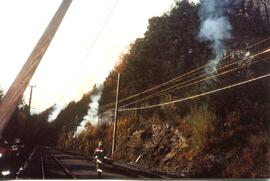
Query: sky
74,61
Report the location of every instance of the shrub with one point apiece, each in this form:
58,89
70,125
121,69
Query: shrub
201,121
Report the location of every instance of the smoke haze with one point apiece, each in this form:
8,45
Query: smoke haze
215,26
92,114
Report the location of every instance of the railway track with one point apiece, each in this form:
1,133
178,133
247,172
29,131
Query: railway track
52,163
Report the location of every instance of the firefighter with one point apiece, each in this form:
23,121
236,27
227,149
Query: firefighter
100,155
18,155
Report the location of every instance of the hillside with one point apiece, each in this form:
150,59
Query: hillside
222,133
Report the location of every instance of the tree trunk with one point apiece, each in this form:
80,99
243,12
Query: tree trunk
266,13
260,19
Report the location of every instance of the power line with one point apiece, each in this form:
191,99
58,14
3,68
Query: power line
93,44
188,73
199,81
180,77
198,95
195,81
102,28
176,87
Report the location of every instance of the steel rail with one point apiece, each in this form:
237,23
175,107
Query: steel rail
112,167
42,166
67,171
117,167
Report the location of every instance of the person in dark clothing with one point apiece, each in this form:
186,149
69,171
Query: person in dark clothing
18,154
5,160
100,155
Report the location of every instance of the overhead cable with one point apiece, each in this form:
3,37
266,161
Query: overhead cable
180,77
198,95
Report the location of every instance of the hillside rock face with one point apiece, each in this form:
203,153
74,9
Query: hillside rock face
157,147
169,149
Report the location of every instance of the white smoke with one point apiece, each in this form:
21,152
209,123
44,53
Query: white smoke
216,30
92,114
215,27
56,111
106,117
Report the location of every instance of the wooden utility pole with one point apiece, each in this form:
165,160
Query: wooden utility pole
115,116
30,98
17,88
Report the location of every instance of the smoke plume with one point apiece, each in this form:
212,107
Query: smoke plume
215,26
92,114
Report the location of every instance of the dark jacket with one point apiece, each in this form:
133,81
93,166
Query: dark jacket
100,153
